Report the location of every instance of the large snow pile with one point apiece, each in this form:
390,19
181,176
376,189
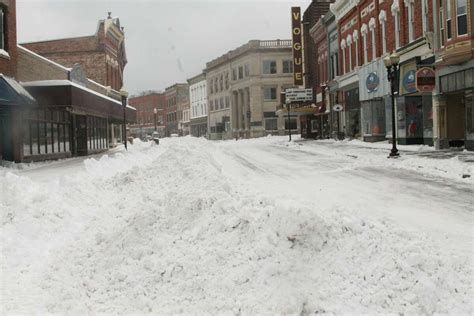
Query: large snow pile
164,229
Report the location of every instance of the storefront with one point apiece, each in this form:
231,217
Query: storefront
414,108
455,110
71,120
374,96
352,111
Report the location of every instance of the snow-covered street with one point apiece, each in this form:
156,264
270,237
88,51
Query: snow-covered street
248,226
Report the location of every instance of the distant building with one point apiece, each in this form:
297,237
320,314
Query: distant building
146,105
102,54
244,88
177,102
198,108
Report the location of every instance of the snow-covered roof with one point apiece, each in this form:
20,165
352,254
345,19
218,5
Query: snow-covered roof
46,60
55,83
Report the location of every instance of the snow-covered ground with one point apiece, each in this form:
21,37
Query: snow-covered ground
248,226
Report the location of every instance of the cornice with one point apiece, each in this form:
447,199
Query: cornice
341,7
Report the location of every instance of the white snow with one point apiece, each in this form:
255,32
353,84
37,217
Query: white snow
252,226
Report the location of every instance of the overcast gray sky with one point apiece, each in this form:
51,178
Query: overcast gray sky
166,41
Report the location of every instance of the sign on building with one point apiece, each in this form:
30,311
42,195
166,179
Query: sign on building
298,95
297,47
425,79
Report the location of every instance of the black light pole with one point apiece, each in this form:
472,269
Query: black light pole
391,62
155,112
124,95
288,106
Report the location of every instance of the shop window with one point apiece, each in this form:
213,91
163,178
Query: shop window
271,124
269,67
287,66
269,94
461,14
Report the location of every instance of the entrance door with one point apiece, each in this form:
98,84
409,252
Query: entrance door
6,146
456,119
81,135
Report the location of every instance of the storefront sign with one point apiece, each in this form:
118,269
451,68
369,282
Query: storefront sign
372,82
409,81
297,47
425,79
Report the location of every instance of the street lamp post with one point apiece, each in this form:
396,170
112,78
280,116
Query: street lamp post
124,95
155,112
391,62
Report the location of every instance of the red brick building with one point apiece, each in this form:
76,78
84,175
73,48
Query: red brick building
102,55
8,41
146,104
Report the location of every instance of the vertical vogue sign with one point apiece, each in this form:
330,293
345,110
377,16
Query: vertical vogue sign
297,53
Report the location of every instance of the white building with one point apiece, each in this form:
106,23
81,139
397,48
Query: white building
198,105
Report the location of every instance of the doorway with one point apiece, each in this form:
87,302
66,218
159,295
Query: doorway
80,134
456,119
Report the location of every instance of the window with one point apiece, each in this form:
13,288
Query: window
226,80
287,66
221,82
216,85
461,15
364,39
411,20
211,105
241,72
234,74
269,67
247,70
222,103
343,48
45,132
355,36
441,24
227,102
269,94
271,124
424,12
292,124
372,31
382,20
2,29
449,30
349,48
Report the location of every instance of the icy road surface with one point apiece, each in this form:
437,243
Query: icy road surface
250,226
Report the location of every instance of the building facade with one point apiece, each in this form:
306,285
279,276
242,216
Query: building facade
151,114
198,105
176,101
102,55
244,89
453,100
8,39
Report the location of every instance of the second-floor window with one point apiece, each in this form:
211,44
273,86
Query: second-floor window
2,29
461,16
441,24
269,94
449,30
241,72
287,66
269,67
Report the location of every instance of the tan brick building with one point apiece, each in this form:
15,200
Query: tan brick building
102,54
244,88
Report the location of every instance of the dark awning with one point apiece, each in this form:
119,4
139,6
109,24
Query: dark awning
13,94
64,93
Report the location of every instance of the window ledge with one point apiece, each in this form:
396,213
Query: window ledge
4,54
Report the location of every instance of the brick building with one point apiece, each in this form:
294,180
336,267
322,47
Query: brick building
102,54
369,30
147,121
8,40
453,100
176,101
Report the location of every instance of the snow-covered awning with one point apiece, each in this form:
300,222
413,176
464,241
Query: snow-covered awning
12,93
65,93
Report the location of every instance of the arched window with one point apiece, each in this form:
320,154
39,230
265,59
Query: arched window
383,20
3,28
